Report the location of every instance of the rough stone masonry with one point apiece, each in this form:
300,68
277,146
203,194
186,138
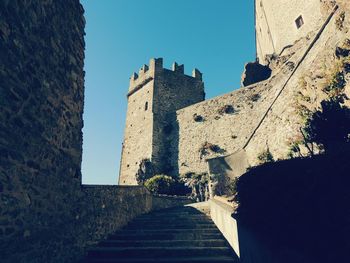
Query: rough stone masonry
46,215
151,130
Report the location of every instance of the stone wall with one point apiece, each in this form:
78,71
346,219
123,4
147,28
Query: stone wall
173,90
276,27
42,91
223,132
162,202
81,221
281,211
137,144
45,213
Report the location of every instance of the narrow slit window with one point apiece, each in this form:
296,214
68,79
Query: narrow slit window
146,105
299,22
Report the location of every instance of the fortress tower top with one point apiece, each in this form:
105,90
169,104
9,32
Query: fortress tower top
155,68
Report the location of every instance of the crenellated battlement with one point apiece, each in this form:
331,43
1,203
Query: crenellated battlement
147,73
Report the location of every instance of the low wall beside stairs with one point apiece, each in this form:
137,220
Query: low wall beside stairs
164,201
105,209
91,215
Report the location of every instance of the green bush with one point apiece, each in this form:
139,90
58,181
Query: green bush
223,185
144,172
164,184
266,157
329,126
199,183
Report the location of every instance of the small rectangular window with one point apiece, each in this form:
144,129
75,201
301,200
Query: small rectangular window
299,22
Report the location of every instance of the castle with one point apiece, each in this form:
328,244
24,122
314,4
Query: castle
155,94
48,215
169,122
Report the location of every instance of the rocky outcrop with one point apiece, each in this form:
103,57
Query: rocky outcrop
255,72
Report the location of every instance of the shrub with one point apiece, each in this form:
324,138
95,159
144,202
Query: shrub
223,185
159,184
164,184
255,97
329,126
294,150
208,147
199,183
198,118
336,78
336,85
228,109
266,156
339,22
144,172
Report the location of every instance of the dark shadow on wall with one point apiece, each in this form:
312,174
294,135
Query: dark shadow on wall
299,209
170,151
165,144
255,72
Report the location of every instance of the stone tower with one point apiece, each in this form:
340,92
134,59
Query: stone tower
279,23
151,130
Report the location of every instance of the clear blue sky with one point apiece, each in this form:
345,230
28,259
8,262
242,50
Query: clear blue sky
215,36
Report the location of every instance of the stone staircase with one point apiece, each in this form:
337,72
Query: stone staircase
182,234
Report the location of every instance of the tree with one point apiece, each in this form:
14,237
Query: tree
329,126
199,183
144,172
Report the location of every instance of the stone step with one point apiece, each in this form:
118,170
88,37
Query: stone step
154,252
174,219
180,235
176,211
171,226
147,231
193,235
164,243
208,259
